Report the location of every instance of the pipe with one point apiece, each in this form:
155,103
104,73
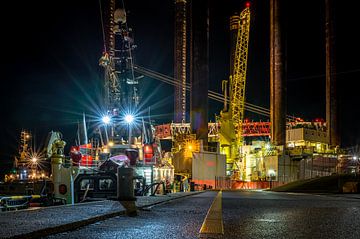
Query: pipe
277,76
331,94
199,68
180,61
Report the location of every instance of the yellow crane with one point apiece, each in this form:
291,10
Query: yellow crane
231,120
238,79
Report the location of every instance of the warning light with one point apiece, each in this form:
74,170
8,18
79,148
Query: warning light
62,189
148,153
247,4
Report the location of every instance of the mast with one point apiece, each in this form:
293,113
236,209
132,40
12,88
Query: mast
121,86
180,62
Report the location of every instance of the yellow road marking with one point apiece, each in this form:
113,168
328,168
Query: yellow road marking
213,223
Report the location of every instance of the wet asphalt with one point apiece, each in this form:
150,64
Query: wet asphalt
175,219
246,214
287,215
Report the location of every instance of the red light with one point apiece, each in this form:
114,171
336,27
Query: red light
247,4
148,153
62,189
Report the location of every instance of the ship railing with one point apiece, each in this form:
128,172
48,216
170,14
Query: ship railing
8,203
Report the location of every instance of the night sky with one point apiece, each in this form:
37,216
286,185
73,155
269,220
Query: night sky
50,72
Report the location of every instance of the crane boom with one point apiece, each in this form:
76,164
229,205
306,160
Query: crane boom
238,77
231,118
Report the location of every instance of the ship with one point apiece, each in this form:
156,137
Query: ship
121,138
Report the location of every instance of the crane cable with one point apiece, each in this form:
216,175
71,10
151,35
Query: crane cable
102,26
212,95
188,86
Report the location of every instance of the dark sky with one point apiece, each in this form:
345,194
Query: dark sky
50,72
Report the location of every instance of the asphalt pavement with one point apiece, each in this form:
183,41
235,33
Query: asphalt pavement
245,214
175,219
290,215
36,223
236,214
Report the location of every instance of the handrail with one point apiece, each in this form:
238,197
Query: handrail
148,187
5,202
86,192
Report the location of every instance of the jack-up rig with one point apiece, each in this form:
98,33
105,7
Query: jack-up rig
290,149
121,138
213,154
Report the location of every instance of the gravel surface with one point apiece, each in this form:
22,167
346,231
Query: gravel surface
176,219
50,219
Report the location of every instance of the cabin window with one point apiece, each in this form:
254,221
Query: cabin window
106,184
85,182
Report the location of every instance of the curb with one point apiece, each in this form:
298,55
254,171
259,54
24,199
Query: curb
67,227
170,199
355,196
75,225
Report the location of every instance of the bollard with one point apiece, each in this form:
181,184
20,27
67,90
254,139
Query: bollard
164,188
125,190
192,186
125,184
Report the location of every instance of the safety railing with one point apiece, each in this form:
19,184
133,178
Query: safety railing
8,203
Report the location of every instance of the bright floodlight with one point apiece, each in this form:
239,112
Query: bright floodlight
129,119
34,159
271,172
106,119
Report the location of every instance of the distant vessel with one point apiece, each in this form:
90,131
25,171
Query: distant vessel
30,164
28,183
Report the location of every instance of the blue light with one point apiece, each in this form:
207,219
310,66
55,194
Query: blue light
129,119
106,119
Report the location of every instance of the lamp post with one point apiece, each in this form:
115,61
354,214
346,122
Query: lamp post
271,173
356,164
34,163
129,119
106,120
